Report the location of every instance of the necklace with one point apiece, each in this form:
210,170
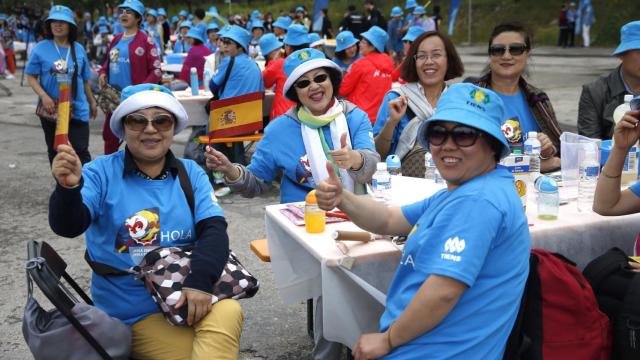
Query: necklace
61,65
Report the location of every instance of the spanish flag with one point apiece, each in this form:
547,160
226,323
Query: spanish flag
64,112
235,116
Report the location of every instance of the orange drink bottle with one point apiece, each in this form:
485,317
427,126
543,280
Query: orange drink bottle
314,217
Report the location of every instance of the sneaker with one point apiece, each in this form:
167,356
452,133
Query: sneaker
9,76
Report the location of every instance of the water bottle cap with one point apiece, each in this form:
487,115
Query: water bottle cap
381,166
546,184
393,161
517,152
628,98
194,70
532,134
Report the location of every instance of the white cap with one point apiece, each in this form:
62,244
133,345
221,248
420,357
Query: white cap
381,166
194,70
628,98
532,134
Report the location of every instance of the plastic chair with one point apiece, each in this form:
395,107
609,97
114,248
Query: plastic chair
46,268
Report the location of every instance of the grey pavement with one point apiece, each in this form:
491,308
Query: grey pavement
271,329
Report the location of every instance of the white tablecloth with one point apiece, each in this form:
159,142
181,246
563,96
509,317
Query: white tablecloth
307,265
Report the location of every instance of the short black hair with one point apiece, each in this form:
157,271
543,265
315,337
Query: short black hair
334,76
199,13
351,8
196,42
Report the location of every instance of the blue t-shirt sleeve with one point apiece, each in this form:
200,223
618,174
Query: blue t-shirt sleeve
413,212
360,130
222,69
34,65
635,188
206,204
263,164
383,112
92,191
459,242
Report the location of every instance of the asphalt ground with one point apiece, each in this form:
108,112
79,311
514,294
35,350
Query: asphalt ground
271,329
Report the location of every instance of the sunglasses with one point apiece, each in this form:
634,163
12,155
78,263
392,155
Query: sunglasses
125,11
462,136
319,79
136,122
514,49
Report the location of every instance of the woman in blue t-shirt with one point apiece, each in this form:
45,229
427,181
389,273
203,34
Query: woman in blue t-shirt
528,108
457,289
59,58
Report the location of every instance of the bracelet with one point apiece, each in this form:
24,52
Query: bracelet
389,338
609,176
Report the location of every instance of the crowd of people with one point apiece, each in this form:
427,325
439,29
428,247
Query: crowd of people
333,119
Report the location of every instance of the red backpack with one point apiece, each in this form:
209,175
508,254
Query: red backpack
559,316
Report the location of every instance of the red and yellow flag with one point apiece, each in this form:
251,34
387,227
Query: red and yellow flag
64,112
235,116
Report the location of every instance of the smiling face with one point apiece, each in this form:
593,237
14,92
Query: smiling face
149,145
351,51
457,164
59,28
508,65
431,62
316,97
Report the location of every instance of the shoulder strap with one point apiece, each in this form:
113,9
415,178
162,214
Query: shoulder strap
226,75
185,184
600,268
632,298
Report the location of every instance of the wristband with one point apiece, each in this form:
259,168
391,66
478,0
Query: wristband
389,338
609,176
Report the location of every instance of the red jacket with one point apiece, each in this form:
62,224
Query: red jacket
273,74
367,82
143,59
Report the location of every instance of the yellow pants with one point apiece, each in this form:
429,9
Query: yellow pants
216,336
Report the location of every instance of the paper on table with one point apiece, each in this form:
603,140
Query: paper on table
295,214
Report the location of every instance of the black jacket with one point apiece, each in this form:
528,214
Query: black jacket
597,102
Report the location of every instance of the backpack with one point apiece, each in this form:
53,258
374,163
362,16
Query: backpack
617,289
558,317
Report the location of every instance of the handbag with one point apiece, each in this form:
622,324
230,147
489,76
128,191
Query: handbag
42,113
164,269
109,99
412,164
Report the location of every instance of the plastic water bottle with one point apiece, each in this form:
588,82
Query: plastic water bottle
381,181
588,172
193,79
619,112
393,165
430,167
532,148
548,198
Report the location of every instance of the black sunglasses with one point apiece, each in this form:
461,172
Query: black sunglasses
462,136
125,11
319,79
514,49
137,122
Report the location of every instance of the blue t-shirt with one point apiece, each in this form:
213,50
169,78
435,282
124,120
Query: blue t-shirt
477,234
42,63
131,215
395,37
120,64
343,65
635,188
181,47
212,46
381,120
519,115
274,155
245,77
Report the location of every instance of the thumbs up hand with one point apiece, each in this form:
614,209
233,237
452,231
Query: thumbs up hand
345,157
329,191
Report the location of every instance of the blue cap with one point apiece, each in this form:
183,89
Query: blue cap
102,21
212,26
104,30
413,33
186,24
144,96
377,37
134,5
282,22
175,19
345,39
396,11
629,38
62,13
183,13
153,13
419,10
257,24
269,43
296,35
239,35
212,11
410,4
470,105
393,161
315,40
302,61
190,17
572,4
546,184
162,12
255,14
197,33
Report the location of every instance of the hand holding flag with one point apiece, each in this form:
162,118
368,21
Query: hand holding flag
66,167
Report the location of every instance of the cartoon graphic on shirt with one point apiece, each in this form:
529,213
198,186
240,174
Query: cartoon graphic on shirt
60,67
140,229
303,171
113,55
512,130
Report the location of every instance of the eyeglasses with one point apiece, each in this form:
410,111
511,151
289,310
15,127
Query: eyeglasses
125,11
407,42
137,122
514,49
462,136
423,57
319,79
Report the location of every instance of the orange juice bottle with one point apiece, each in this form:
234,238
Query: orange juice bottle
314,217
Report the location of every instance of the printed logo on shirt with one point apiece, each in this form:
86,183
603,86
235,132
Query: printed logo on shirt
512,130
139,51
139,230
381,74
407,260
452,247
303,171
113,55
